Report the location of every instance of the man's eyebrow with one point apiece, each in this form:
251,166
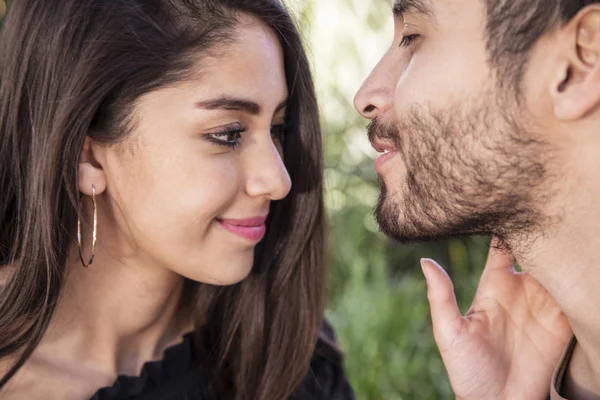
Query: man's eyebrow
414,6
236,104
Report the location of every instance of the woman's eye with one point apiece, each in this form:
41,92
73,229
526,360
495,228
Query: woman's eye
407,40
229,137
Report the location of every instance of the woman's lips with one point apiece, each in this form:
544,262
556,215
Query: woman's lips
252,229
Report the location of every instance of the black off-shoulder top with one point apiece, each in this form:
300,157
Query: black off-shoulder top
179,377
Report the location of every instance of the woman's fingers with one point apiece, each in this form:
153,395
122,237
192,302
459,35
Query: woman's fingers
445,315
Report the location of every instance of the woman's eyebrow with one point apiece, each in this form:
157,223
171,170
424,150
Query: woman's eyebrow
236,104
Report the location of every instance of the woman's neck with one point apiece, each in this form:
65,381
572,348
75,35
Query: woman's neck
116,314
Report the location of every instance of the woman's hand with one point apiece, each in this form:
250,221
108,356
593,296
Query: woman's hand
509,342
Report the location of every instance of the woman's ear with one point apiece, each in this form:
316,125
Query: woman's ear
576,89
90,171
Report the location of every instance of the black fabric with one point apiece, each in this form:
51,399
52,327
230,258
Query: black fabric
175,377
326,379
178,377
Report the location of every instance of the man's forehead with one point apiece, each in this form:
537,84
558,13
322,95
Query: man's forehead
413,6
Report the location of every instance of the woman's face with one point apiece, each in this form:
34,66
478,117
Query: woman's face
190,187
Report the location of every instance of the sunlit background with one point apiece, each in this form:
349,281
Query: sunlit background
377,297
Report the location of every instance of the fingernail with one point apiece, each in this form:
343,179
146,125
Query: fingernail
423,268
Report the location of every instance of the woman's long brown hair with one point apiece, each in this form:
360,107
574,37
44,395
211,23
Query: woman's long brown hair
74,68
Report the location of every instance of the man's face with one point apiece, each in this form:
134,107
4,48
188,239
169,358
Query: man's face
461,160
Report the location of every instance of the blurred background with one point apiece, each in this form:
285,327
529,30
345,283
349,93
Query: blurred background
377,297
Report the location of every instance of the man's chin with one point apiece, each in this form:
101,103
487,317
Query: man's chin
399,233
418,229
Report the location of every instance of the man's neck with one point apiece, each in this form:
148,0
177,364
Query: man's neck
564,258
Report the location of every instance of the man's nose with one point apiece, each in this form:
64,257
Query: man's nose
376,95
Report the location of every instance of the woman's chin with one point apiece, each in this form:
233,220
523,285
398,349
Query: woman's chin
223,275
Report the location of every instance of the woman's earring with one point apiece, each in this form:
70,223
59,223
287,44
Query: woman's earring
94,231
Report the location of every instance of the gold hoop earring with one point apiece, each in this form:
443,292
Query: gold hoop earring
94,231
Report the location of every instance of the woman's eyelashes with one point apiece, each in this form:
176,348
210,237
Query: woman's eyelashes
231,136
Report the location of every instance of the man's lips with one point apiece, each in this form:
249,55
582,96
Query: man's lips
383,159
253,229
387,148
383,146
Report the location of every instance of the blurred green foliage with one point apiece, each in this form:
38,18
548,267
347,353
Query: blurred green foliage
2,10
377,294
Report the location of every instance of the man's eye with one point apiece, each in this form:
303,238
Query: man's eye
408,40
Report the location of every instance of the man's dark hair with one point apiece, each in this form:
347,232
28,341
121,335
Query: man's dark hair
514,26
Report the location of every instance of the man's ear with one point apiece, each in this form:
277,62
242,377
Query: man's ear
90,171
576,89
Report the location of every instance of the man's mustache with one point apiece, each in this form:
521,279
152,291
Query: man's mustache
383,132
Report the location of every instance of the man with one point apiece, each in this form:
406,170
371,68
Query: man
488,115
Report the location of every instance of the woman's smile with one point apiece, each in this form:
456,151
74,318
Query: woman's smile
252,229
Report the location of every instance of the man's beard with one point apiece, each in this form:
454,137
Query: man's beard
469,172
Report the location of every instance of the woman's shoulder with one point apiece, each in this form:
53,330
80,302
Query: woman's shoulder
326,378
39,379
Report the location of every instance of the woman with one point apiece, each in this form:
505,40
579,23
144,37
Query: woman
161,193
